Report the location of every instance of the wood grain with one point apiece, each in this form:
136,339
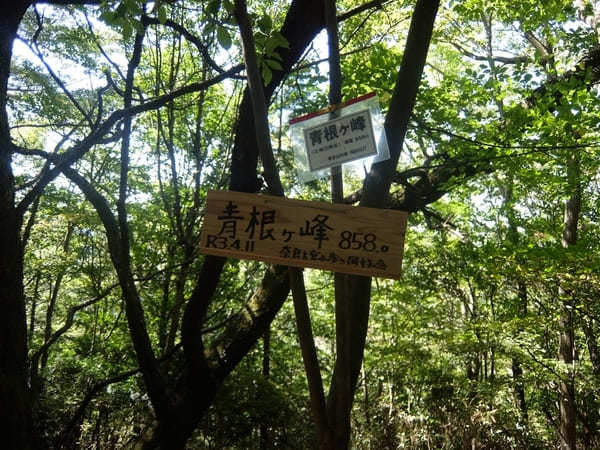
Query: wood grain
340,238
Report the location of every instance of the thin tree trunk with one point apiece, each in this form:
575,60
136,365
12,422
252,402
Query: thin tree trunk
366,404
265,441
592,345
375,194
32,312
163,319
566,351
338,414
54,296
590,401
311,362
517,370
179,298
567,427
513,238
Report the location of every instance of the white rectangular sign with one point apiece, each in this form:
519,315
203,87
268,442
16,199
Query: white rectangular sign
340,140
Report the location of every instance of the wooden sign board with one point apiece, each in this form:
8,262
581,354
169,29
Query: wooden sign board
340,238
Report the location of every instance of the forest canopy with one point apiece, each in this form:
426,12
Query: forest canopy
117,118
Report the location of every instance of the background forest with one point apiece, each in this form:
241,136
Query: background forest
118,117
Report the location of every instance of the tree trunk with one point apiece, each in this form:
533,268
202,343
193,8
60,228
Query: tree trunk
32,312
521,307
567,428
517,370
338,420
375,194
591,410
16,424
568,415
265,441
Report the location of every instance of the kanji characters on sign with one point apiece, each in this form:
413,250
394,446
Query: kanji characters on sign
340,140
306,234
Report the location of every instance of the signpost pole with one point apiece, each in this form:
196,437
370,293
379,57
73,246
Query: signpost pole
337,185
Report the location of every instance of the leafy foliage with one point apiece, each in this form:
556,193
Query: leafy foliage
461,353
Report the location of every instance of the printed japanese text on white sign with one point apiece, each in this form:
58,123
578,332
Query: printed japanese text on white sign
340,140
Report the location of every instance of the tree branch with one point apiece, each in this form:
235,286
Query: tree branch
202,48
500,59
70,319
75,153
95,390
155,383
245,328
364,7
36,50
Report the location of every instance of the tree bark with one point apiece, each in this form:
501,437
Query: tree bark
16,424
265,441
566,351
338,418
516,363
590,401
376,195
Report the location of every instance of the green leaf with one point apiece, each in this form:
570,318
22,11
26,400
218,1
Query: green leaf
267,74
223,37
162,13
281,40
108,16
139,27
127,29
274,64
208,29
265,23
